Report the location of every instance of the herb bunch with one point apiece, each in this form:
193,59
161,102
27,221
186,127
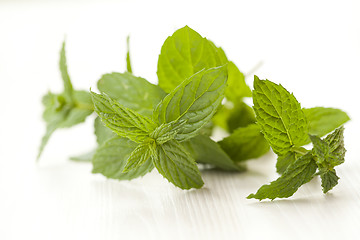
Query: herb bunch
168,126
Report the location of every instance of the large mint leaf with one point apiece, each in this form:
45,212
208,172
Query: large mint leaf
185,53
297,174
279,115
121,120
245,143
195,101
132,92
206,151
176,165
324,120
110,160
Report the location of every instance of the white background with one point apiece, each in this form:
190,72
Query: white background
311,47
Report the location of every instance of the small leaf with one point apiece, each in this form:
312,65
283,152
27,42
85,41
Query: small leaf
175,164
138,157
245,143
68,88
132,92
237,88
123,121
279,115
206,151
86,157
324,120
102,133
329,180
128,62
110,160
195,100
167,131
297,174
185,53
329,152
234,117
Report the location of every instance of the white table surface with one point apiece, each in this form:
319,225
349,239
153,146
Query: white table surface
312,48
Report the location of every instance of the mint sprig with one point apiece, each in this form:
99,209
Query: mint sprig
285,127
141,126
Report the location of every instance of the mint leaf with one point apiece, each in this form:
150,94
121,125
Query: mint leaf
68,88
128,62
86,157
195,100
284,161
279,115
138,157
324,120
176,165
329,180
237,88
102,133
132,92
206,151
328,154
297,174
233,117
167,131
121,120
245,143
185,53
110,160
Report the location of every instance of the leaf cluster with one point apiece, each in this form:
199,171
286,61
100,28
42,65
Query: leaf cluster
141,126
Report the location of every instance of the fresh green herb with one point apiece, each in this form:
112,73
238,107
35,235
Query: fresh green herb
285,126
141,126
66,109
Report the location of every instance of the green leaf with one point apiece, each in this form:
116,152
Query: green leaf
237,88
86,157
59,113
121,120
279,115
132,92
102,133
329,152
297,174
245,143
128,62
336,143
184,53
68,88
206,151
167,131
284,161
195,100
324,120
176,165
138,157
329,180
110,160
232,117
